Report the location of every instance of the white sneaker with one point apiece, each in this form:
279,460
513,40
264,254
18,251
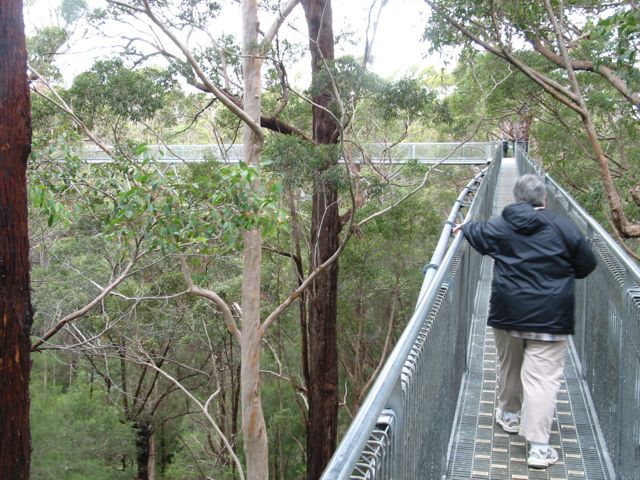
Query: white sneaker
542,457
510,422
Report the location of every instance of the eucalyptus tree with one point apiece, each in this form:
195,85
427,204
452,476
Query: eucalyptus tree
216,81
249,111
212,71
569,50
322,426
15,295
51,40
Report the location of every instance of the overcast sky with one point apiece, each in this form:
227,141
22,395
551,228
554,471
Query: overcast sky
397,49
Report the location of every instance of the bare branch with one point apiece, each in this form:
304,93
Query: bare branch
87,308
273,30
387,339
589,66
211,296
373,26
303,285
62,105
420,186
552,87
194,65
205,410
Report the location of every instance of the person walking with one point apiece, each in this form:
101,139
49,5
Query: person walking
505,147
538,255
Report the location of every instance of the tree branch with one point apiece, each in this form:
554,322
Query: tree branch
589,66
275,26
87,308
194,65
211,296
205,410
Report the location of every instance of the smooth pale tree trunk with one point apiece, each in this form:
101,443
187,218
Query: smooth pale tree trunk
152,456
15,299
253,424
325,230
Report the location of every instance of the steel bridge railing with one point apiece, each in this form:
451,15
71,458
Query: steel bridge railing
403,427
607,339
470,153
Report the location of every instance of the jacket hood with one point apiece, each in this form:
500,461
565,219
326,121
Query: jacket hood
523,218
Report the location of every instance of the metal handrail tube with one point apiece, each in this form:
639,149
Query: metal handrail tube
387,391
607,334
594,226
443,241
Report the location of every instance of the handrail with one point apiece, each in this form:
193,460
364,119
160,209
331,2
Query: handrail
607,333
386,392
344,459
470,153
445,235
591,223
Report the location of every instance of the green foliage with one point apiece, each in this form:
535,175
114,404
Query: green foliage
220,62
111,89
48,123
192,458
407,98
197,12
346,76
206,205
297,161
73,10
390,253
78,435
42,48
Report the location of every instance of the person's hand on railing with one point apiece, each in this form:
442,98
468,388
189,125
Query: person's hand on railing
457,228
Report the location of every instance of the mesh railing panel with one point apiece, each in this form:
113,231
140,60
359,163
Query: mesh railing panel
467,153
607,337
416,443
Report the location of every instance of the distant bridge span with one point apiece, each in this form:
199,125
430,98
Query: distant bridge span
470,153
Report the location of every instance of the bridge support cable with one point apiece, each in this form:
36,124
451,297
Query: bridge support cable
414,398
607,338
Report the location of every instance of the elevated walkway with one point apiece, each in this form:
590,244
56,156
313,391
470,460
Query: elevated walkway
469,153
429,414
480,448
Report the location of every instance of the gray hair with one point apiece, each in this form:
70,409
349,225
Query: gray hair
530,188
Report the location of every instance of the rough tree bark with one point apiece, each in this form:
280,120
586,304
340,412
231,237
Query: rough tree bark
15,298
325,229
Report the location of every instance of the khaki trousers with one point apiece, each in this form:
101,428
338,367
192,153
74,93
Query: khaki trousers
529,375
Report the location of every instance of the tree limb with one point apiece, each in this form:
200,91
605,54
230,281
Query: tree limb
87,308
589,66
211,296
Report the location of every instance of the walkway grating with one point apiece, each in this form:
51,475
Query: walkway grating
479,447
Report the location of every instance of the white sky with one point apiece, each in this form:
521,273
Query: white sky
397,49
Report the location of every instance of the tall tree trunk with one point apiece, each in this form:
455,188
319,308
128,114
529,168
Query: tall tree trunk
15,299
325,229
144,437
151,469
253,425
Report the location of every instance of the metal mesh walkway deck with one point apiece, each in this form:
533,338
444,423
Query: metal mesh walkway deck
480,449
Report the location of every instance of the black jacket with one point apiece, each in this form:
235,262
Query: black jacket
535,268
